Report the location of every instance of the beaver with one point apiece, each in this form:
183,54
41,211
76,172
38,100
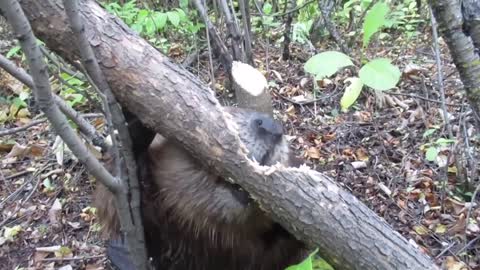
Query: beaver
194,219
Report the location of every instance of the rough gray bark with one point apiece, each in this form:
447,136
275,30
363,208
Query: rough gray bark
234,32
326,10
471,17
174,103
449,17
288,31
245,10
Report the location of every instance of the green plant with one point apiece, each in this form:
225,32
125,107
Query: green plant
149,23
304,23
356,7
378,74
312,262
267,21
405,18
15,51
432,150
70,90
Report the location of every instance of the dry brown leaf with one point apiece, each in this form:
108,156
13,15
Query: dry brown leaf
38,256
329,137
361,154
290,110
459,227
313,153
18,151
94,267
37,150
54,214
452,264
6,146
277,75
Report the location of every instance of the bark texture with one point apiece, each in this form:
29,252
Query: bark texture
174,103
448,14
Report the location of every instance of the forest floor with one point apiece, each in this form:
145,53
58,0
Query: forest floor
376,150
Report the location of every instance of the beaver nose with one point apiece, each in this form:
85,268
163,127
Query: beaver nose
269,126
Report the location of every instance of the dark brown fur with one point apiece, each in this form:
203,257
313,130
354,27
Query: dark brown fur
194,220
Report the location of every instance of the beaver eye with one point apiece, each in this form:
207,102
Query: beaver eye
258,122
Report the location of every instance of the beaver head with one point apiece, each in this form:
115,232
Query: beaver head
203,201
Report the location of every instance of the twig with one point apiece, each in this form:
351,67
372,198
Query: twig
15,175
210,61
442,95
82,258
301,103
20,189
468,244
423,98
4,132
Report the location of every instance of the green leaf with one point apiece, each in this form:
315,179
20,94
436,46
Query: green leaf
173,17
431,154
373,21
48,184
24,95
137,27
443,141
13,51
351,92
183,4
380,74
429,132
142,14
306,264
10,232
149,27
19,103
74,81
326,64
160,20
181,14
267,8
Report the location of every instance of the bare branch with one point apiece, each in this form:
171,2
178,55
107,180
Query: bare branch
44,97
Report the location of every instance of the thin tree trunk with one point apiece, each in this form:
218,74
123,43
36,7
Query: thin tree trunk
449,17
